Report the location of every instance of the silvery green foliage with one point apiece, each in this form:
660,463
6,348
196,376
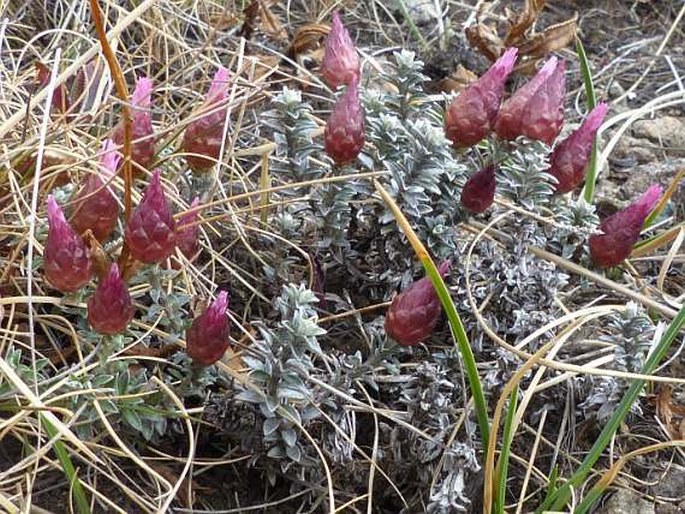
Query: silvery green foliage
431,396
280,362
406,129
325,217
292,124
521,175
523,285
631,331
575,221
449,494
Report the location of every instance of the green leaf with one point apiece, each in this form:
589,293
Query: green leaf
586,72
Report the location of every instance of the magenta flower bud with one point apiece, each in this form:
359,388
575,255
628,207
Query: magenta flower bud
207,338
66,260
95,206
344,133
110,309
414,312
622,230
471,115
340,64
187,231
142,152
151,231
204,136
567,163
536,110
479,190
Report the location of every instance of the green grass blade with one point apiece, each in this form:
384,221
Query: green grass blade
559,499
586,72
464,347
82,504
456,326
503,464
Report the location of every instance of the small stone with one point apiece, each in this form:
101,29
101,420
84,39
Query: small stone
423,11
626,501
668,131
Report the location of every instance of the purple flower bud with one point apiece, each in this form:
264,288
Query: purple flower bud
567,163
479,190
207,339
340,64
414,312
622,230
66,261
344,133
204,136
110,308
471,115
95,206
187,230
536,110
142,152
150,233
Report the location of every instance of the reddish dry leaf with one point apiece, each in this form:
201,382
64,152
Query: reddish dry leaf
666,410
520,33
307,39
271,24
485,40
551,39
251,12
457,81
98,256
520,24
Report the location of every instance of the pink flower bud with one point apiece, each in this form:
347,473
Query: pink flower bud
414,312
150,233
567,163
479,190
187,230
66,263
142,152
536,110
471,115
204,136
344,133
95,206
110,308
340,64
622,230
207,338
60,95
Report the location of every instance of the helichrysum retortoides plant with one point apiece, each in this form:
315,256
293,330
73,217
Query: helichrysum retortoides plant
446,162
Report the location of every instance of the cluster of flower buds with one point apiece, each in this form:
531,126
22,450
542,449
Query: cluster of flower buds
203,137
414,312
471,115
536,110
340,64
569,158
66,262
151,232
95,207
622,230
344,133
207,339
479,190
143,148
110,309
